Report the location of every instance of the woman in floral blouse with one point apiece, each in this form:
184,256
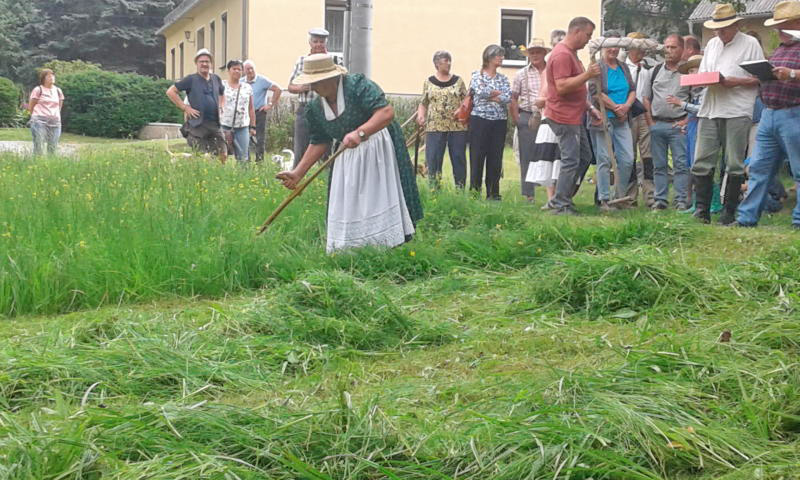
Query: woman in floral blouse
442,94
491,93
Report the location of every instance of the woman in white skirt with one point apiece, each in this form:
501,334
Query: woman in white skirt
373,197
546,164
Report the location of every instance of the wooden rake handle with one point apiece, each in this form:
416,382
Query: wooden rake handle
302,186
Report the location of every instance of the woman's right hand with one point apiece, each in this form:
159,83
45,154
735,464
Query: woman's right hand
191,112
290,179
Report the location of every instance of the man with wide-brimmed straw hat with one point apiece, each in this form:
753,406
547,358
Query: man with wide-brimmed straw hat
777,136
525,108
373,197
727,112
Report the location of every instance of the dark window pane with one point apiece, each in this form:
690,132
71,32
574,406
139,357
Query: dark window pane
514,33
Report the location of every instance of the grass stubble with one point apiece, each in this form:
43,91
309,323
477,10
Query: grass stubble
500,344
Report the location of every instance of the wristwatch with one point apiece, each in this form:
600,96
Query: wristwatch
362,135
793,74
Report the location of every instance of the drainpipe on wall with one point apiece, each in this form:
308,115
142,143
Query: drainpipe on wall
346,41
361,37
245,32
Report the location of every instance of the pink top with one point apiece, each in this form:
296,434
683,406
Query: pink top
49,102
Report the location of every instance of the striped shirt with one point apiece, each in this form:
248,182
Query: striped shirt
305,97
777,94
527,86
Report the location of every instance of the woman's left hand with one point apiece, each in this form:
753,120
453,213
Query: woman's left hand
351,140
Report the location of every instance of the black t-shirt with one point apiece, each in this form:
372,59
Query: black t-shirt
203,96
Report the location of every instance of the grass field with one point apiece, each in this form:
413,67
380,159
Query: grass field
148,333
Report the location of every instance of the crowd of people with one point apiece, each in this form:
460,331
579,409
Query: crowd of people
695,140
634,117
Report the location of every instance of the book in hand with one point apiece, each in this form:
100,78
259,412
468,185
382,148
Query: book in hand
794,33
761,69
701,79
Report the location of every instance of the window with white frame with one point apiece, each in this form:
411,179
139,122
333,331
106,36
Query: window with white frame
173,73
334,24
515,32
224,40
212,40
201,38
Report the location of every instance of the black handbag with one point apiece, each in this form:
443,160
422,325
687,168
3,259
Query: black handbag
637,108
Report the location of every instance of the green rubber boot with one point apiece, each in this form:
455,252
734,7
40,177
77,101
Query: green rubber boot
716,205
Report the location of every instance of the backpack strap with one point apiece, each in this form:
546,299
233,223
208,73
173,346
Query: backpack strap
653,76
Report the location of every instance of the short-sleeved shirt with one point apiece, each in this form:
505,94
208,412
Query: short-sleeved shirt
723,102
442,99
567,109
362,97
527,85
48,106
482,87
244,92
261,86
776,94
618,88
665,83
203,96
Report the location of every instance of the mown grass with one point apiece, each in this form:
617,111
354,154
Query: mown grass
501,343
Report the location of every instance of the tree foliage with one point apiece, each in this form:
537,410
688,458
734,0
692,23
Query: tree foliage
117,34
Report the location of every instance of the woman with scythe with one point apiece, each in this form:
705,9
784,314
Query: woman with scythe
373,198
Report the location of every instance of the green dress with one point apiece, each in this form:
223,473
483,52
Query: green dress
362,98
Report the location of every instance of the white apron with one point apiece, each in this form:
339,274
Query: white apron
366,204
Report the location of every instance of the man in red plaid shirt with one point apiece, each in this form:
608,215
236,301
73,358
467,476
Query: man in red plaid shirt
777,136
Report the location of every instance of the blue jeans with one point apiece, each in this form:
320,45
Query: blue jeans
456,143
664,136
776,139
241,143
691,139
44,135
622,143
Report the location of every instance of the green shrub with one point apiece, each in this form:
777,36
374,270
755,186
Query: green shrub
107,104
67,67
9,102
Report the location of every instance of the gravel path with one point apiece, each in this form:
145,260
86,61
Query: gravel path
26,148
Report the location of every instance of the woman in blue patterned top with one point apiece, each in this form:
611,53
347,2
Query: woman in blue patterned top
491,94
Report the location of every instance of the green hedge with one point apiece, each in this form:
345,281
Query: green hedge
9,102
107,104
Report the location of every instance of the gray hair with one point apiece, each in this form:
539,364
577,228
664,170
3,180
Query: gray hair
441,55
492,51
612,34
556,36
251,63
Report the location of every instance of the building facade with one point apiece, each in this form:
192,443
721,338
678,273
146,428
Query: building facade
754,13
406,33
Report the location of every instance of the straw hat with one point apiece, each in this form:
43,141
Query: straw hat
318,67
784,12
637,35
537,43
724,16
692,62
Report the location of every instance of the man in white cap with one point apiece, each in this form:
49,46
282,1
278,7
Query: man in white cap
777,136
206,95
726,114
318,43
525,92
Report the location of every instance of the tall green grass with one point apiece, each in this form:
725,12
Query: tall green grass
119,227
